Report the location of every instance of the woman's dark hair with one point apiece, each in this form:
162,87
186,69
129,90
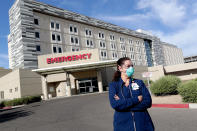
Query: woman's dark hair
120,62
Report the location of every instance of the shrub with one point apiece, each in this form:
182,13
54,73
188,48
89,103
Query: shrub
195,79
20,101
167,85
146,82
2,104
188,91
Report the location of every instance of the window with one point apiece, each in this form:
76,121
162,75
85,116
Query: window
2,94
56,37
54,49
102,45
101,35
131,49
57,26
124,55
74,40
73,49
37,34
16,89
73,29
132,56
138,49
122,46
103,54
89,43
114,55
112,37
38,48
121,39
36,21
113,46
52,25
130,41
10,90
138,42
53,37
88,32
57,48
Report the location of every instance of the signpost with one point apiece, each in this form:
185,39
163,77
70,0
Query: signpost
147,75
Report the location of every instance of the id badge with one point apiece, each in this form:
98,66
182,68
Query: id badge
135,86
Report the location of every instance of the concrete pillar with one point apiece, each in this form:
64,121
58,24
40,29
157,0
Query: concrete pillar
77,86
68,85
99,79
44,88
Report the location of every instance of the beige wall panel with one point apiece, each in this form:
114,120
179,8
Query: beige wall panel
181,67
30,83
10,82
56,77
61,89
157,72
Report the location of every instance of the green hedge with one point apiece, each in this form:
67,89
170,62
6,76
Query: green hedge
146,82
166,85
188,91
21,101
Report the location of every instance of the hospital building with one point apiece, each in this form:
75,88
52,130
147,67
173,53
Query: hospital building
69,53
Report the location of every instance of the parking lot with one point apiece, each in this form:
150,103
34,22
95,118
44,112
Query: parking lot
86,113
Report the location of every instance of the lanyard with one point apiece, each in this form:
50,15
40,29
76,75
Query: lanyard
128,87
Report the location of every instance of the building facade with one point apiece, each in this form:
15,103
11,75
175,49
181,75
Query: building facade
19,83
37,29
71,73
185,72
172,54
190,59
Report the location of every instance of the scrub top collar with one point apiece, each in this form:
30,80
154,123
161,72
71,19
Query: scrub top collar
130,80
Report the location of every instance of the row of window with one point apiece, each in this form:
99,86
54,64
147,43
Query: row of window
54,25
15,89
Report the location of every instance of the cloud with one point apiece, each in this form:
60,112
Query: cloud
184,38
4,56
71,4
4,60
169,12
133,21
4,36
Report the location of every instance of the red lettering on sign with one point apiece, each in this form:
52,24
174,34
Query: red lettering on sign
84,56
68,58
73,57
89,55
78,57
48,60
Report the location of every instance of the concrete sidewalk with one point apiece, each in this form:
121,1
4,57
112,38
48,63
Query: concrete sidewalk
171,101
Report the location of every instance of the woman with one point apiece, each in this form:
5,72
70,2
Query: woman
130,99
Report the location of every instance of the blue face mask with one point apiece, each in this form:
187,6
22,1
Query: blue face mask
130,71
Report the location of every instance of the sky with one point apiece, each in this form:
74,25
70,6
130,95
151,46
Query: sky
173,21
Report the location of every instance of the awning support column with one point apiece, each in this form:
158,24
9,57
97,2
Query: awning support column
44,87
68,85
99,79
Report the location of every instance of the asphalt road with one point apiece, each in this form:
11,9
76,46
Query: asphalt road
87,113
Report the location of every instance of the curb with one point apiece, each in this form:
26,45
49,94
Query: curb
187,106
10,107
